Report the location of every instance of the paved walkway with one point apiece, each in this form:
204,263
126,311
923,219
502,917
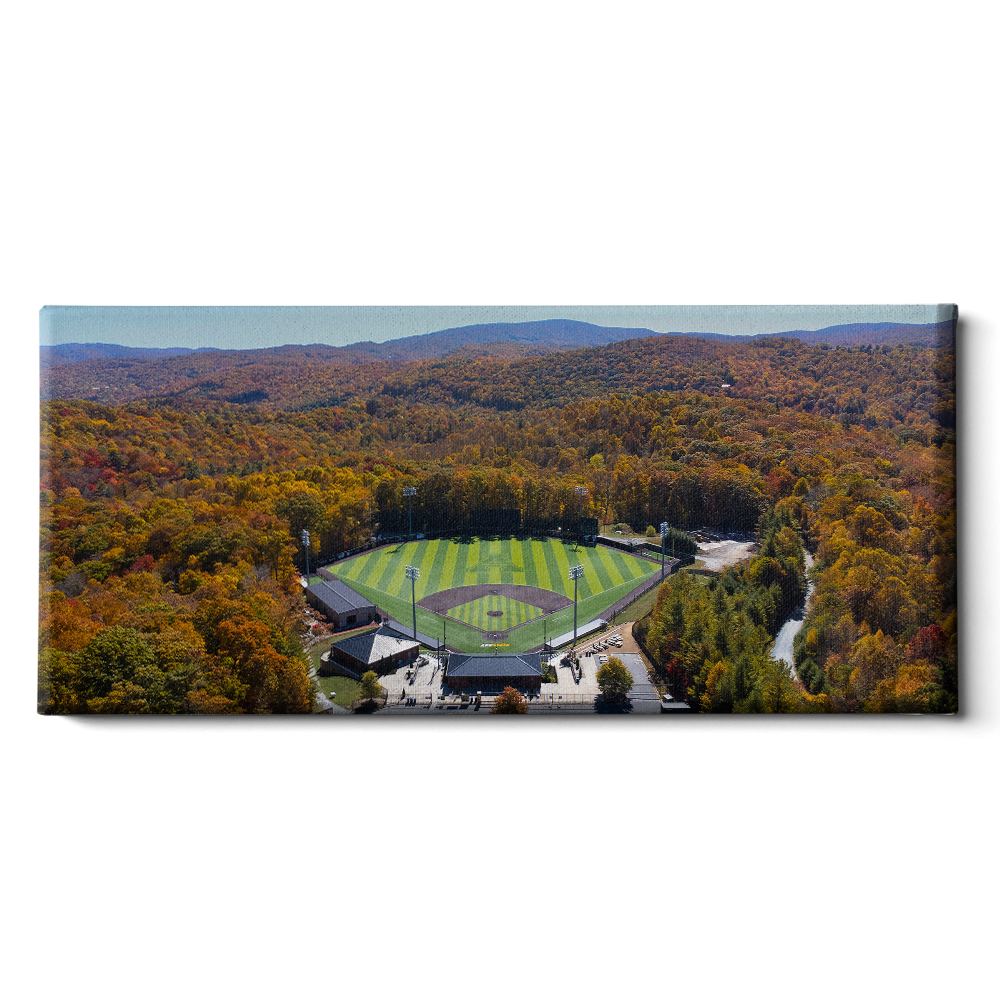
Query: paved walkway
424,685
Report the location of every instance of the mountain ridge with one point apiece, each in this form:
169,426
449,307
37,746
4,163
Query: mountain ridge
311,376
533,337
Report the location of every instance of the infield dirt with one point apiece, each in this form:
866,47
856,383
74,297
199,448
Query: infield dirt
547,600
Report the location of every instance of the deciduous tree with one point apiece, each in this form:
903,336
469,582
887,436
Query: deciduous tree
370,687
614,680
510,702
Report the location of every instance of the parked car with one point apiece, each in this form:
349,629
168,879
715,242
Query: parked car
602,659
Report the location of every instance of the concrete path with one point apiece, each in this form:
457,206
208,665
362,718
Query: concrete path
424,685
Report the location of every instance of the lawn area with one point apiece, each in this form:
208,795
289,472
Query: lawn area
640,608
445,563
347,691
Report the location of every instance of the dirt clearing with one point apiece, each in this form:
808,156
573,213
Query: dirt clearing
719,555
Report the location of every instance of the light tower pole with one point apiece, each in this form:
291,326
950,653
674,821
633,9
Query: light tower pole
410,492
413,574
581,492
575,572
664,531
305,542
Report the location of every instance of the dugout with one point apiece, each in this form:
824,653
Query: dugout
588,628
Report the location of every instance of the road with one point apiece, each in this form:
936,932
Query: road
783,642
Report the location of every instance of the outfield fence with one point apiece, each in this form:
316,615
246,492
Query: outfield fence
619,606
644,547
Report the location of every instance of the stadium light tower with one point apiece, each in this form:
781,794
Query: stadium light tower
305,542
413,574
410,492
664,531
575,572
581,492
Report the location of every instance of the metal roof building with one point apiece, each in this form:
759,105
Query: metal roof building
595,626
475,672
341,604
381,649
425,640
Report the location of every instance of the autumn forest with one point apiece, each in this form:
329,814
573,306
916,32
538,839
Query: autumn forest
174,491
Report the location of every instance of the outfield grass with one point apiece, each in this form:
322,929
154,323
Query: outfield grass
380,575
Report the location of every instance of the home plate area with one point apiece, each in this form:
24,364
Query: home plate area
495,608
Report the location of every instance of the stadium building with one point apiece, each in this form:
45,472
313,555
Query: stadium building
341,605
381,650
491,674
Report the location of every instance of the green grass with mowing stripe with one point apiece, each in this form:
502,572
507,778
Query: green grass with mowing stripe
475,613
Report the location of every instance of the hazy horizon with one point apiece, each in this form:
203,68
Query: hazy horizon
229,327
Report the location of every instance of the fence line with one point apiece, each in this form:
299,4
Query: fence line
541,698
447,703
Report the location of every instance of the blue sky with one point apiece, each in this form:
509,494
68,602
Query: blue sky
273,326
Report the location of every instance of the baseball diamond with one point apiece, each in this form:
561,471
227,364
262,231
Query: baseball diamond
461,581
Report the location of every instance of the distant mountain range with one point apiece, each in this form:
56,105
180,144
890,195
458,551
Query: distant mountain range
509,340
67,354
852,334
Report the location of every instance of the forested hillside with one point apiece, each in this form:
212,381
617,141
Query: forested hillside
174,512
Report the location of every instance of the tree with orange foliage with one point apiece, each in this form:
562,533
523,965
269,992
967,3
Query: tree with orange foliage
275,682
510,702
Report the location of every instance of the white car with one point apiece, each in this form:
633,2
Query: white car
602,659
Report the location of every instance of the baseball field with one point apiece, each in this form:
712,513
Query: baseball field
519,587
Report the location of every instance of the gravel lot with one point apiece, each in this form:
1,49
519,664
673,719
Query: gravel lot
719,555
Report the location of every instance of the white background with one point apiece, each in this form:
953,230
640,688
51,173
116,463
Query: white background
217,153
